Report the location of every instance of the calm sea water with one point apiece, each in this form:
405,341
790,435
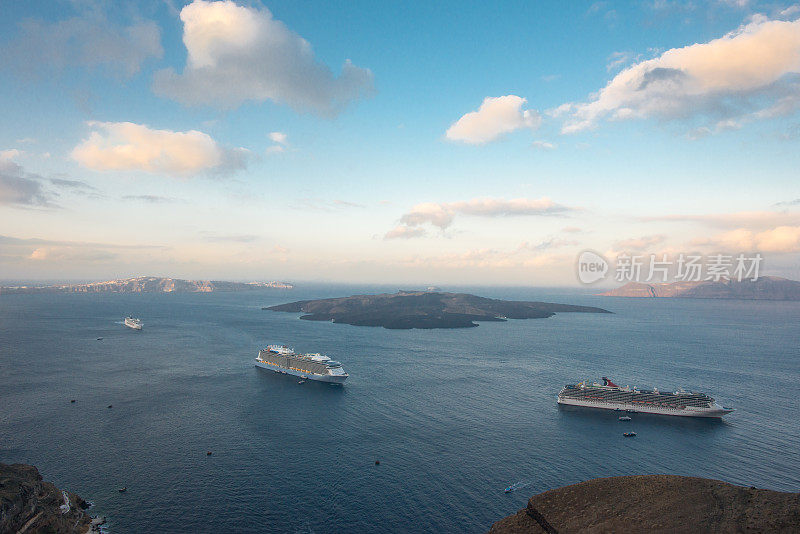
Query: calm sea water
454,416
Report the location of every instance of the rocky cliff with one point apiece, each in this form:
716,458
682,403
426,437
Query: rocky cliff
655,503
148,284
765,288
28,504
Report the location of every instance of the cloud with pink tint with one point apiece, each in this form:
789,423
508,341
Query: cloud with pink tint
495,117
126,146
729,75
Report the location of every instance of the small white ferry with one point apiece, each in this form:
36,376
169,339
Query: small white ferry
132,322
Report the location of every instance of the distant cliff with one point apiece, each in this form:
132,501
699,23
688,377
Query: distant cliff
148,284
28,504
655,503
423,309
765,288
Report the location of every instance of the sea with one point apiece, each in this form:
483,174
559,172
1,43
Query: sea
452,416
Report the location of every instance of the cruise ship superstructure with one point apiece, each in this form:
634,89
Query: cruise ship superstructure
132,322
610,396
282,359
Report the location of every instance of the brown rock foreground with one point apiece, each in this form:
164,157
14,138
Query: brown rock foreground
655,503
28,504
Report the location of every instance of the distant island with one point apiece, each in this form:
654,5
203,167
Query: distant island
765,288
423,309
28,504
148,284
655,503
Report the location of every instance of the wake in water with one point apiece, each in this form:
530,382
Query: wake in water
516,486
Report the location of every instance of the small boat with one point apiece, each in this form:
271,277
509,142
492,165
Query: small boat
509,489
301,381
123,490
99,339
629,434
624,418
133,322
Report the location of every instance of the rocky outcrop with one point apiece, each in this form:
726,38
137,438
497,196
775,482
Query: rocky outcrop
30,505
148,284
765,288
655,503
423,309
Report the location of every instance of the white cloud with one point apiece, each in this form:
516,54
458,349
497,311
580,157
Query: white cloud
281,142
442,214
404,232
238,54
9,154
90,40
543,145
136,147
496,116
278,137
778,239
790,11
722,78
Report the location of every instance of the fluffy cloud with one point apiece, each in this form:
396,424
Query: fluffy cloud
237,53
278,137
496,116
442,215
20,188
725,77
281,141
89,41
129,146
778,239
404,232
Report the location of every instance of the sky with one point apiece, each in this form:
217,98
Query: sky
380,142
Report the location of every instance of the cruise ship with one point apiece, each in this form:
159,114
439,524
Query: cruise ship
132,322
282,359
610,396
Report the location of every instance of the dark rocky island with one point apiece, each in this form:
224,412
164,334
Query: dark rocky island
765,288
423,309
28,504
148,284
655,503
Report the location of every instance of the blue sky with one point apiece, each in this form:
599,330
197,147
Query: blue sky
381,174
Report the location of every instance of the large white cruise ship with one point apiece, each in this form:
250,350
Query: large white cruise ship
132,322
610,396
282,359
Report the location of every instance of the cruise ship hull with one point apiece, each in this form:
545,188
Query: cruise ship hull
716,411
331,379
